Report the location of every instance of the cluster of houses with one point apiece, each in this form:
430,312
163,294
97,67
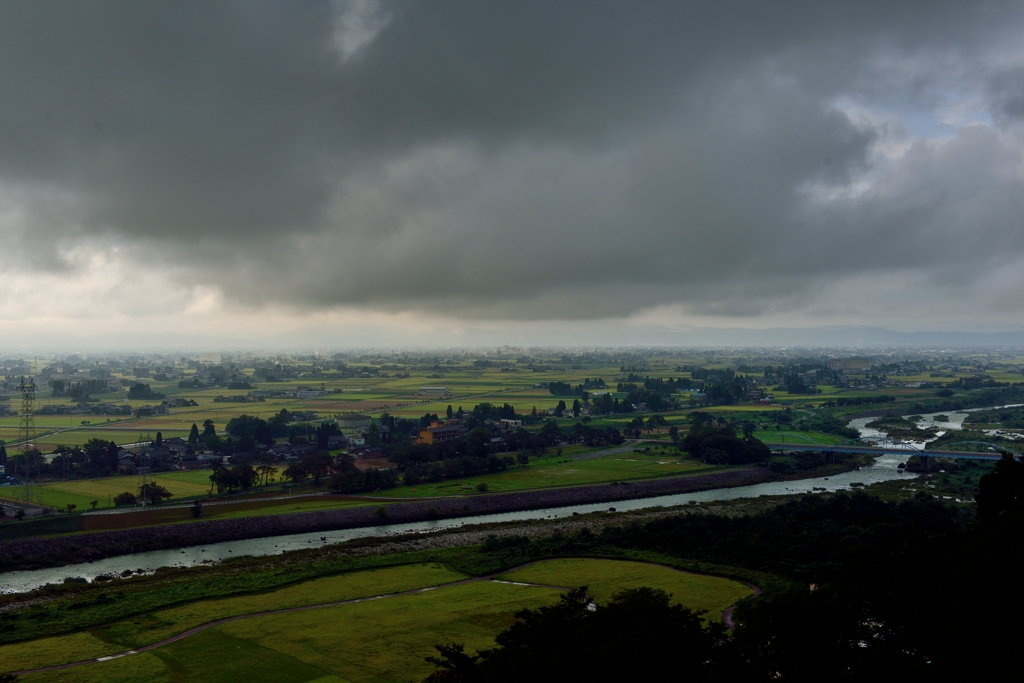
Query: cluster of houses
86,408
177,453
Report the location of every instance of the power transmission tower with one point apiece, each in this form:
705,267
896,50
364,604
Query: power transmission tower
27,433
144,465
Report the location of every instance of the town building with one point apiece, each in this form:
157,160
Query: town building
438,433
849,364
352,421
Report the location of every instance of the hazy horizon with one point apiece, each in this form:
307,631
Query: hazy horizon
369,173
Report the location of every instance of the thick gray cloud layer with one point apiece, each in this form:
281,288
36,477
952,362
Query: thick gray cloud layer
522,160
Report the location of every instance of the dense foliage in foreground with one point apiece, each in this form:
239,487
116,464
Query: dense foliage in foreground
884,589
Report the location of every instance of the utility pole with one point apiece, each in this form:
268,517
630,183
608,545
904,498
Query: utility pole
144,463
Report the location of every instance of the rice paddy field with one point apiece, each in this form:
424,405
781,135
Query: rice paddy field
368,641
81,492
468,384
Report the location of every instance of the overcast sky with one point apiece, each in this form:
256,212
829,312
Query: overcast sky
444,172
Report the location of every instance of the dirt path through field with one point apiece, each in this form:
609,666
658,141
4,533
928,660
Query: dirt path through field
726,615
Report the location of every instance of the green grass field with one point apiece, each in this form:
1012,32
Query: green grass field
606,577
770,436
80,492
377,640
183,515
547,471
553,470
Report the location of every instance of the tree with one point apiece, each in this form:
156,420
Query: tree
1001,494
93,504
655,421
152,493
639,635
373,435
196,509
126,498
317,465
101,454
159,440
193,436
721,446
3,454
266,470
523,459
71,507
297,472
142,392
209,429
673,433
699,420
223,479
449,412
576,408
244,475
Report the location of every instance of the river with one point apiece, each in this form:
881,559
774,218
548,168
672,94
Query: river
954,421
885,468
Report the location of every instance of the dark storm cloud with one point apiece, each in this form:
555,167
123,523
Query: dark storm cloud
509,159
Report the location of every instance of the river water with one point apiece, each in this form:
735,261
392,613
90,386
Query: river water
885,468
954,420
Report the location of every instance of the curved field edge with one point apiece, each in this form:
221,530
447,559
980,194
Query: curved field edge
145,595
604,575
145,629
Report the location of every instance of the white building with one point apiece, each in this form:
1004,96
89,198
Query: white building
849,364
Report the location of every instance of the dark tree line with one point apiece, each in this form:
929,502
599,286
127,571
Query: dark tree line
718,444
873,590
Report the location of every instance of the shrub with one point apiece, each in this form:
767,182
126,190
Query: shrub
126,498
481,487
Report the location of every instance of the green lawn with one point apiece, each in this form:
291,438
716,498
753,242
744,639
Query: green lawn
551,471
770,436
123,635
58,494
606,577
377,640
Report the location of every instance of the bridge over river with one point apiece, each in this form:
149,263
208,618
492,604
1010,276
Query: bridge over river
878,445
